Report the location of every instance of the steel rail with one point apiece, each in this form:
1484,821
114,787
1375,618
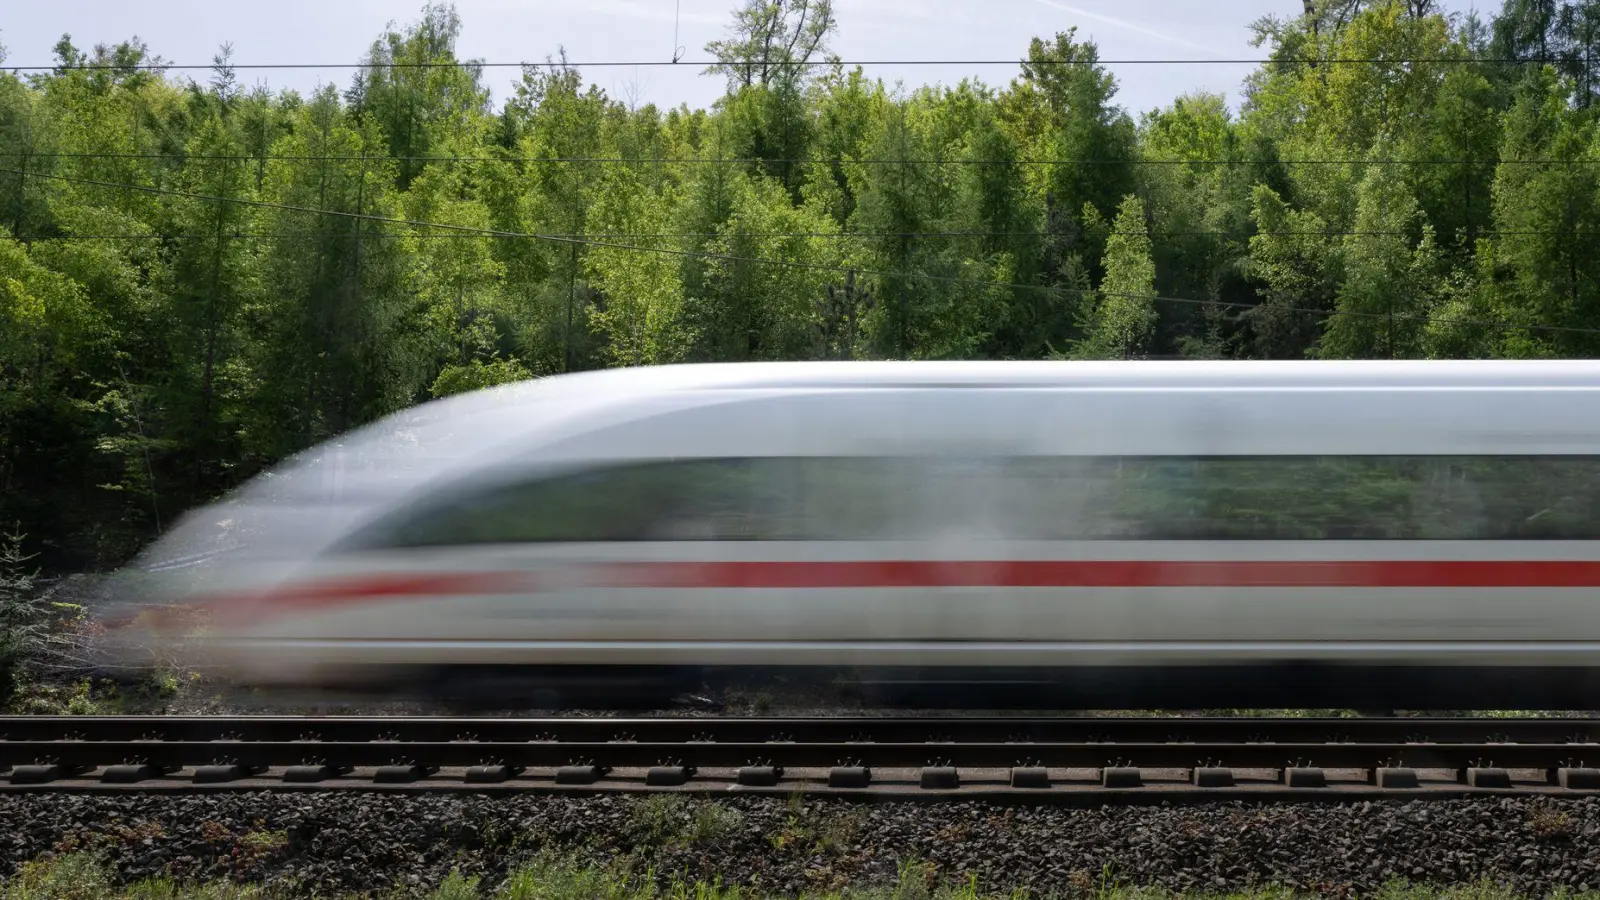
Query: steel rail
988,729
633,754
1034,754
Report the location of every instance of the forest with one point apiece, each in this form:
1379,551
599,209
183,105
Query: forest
199,279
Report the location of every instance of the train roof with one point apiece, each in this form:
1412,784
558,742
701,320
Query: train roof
469,426
1220,374
349,477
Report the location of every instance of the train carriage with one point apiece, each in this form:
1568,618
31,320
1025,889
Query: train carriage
1135,534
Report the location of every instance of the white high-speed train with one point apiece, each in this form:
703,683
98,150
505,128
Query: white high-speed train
1379,534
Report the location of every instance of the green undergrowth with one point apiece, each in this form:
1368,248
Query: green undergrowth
96,697
85,876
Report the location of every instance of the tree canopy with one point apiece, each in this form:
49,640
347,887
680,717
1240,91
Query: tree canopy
197,279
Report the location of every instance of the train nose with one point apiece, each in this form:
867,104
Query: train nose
146,618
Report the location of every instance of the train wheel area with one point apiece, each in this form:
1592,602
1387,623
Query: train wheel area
1362,690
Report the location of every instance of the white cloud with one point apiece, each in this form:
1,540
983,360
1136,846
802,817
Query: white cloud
692,13
1129,26
899,9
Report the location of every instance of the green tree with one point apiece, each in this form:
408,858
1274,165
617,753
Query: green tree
1062,110
339,339
1390,268
419,93
1546,219
1125,316
212,277
1299,268
639,307
771,41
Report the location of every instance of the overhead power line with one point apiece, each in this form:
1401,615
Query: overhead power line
797,161
836,235
808,63
798,264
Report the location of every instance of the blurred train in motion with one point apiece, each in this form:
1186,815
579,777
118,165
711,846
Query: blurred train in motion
1073,534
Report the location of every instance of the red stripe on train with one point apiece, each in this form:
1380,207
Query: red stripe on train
334,593
1102,574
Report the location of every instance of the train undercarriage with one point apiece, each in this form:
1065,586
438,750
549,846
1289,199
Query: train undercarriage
1370,689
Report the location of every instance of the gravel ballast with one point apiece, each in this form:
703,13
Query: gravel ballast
344,841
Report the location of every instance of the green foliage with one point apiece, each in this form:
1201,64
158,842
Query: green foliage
198,280
670,820
1390,264
1124,317
74,876
458,887
87,876
770,40
476,375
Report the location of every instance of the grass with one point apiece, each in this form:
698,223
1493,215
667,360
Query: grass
671,820
85,876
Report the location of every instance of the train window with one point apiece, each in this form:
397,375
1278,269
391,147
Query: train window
1024,498
1310,498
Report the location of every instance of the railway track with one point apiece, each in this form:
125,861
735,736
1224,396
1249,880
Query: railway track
1039,759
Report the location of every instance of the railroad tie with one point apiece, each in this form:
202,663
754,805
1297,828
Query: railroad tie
221,774
579,774
492,774
1304,777
1213,777
1485,778
134,773
668,776
44,774
1121,777
759,776
1030,777
402,774
849,777
313,773
1395,778
1578,779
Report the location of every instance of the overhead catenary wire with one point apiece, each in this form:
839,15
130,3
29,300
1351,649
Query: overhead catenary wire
801,63
854,235
760,160
804,265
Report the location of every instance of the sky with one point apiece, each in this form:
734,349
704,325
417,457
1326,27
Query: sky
317,32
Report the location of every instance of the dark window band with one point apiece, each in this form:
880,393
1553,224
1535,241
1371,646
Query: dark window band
1023,498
